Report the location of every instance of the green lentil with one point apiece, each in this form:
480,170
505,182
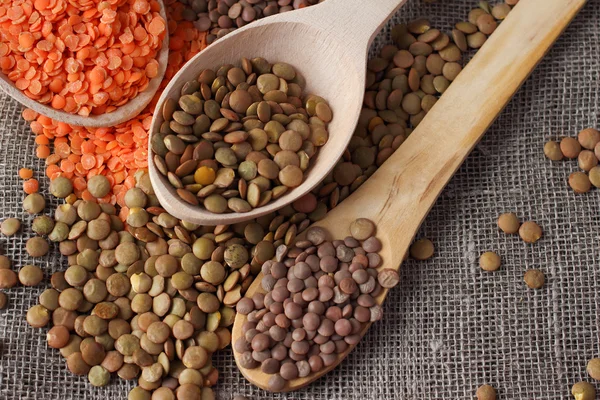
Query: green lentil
34,203
61,187
10,226
98,186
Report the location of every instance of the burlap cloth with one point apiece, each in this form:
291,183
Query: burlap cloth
448,326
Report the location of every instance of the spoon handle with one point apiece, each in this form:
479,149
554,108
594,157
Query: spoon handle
356,21
402,191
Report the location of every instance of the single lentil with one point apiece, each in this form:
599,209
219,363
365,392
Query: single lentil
486,392
593,368
10,226
534,278
422,249
530,232
509,223
583,391
489,261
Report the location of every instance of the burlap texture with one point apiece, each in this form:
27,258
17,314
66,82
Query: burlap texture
448,326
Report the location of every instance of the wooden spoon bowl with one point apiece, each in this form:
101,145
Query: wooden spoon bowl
327,44
402,191
124,113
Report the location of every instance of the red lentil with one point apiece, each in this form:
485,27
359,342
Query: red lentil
116,152
25,173
31,186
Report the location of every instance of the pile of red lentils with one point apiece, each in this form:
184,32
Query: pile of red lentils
117,152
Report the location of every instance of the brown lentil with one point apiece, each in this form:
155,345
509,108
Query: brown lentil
589,138
509,223
534,278
593,368
570,147
422,249
583,391
489,261
8,278
10,226
37,246
552,151
486,392
3,300
580,182
530,232
30,275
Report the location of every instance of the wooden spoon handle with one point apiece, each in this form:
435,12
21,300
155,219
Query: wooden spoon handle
401,193
357,22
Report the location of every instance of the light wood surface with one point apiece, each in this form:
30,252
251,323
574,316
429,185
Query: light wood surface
328,45
122,114
401,193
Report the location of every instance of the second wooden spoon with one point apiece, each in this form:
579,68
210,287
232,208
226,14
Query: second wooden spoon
401,193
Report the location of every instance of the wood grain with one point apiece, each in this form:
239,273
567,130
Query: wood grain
124,113
401,193
328,45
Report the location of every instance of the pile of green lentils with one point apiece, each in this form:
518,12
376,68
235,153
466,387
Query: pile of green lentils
153,297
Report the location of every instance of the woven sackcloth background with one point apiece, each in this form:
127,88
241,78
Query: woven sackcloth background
448,327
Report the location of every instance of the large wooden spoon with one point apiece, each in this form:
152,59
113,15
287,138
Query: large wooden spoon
401,193
124,113
328,45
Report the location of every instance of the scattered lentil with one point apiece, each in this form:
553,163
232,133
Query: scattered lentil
593,368
579,182
509,223
489,261
8,278
534,278
61,187
34,203
422,249
530,232
486,392
3,300
583,391
37,246
570,147
552,151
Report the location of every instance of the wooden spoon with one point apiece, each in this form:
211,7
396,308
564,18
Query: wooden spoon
401,193
124,113
328,45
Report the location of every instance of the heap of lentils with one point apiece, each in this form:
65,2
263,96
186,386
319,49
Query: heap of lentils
318,298
586,149
150,298
383,127
219,18
239,137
